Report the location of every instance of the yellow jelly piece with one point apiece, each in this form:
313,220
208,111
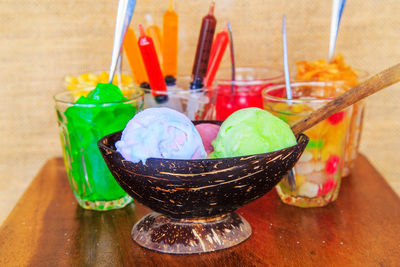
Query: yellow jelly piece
300,179
330,149
298,108
313,133
280,106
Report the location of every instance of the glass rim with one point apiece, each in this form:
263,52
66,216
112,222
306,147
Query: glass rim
172,90
60,97
265,95
276,76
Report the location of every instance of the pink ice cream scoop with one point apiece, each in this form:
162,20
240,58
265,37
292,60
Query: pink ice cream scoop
160,133
208,132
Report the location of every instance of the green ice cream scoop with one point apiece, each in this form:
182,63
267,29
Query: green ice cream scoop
251,131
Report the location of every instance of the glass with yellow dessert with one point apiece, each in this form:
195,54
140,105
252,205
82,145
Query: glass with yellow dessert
319,170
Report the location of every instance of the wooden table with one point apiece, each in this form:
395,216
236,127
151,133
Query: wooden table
362,228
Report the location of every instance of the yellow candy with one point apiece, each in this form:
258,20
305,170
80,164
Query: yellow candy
90,80
71,80
103,77
84,77
71,86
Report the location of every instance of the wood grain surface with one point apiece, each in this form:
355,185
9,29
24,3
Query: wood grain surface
47,228
41,41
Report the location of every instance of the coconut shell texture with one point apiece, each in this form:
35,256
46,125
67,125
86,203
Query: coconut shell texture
202,187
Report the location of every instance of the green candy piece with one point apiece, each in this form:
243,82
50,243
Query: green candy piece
251,131
315,144
284,118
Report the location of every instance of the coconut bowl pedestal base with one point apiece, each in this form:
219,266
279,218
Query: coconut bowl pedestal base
164,234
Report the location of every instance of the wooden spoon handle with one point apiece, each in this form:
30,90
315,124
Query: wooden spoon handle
364,89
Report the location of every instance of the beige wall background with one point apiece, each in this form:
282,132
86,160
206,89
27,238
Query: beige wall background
41,41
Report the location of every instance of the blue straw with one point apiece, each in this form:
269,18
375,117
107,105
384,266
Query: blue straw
337,10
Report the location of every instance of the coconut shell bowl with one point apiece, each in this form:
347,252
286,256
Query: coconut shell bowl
194,201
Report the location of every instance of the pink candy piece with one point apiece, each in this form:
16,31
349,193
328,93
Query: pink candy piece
208,133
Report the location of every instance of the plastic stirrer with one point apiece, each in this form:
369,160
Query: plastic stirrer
134,57
337,10
285,59
217,52
151,64
154,32
119,68
203,49
170,42
291,175
124,16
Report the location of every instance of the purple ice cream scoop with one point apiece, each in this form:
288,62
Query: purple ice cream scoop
160,133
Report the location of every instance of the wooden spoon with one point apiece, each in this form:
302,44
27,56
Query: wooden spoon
372,85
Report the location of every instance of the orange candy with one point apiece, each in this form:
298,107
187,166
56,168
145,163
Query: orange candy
321,70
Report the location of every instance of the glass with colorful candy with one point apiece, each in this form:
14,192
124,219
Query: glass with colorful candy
245,90
197,104
82,122
318,171
356,122
338,71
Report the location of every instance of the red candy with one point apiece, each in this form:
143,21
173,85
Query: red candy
336,118
327,187
242,97
332,164
278,92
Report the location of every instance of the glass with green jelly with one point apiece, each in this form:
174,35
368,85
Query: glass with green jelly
84,117
318,171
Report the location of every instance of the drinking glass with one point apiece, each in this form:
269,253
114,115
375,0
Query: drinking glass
196,104
245,90
81,126
319,170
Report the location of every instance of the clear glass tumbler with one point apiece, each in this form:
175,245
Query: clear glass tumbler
319,170
81,126
196,104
